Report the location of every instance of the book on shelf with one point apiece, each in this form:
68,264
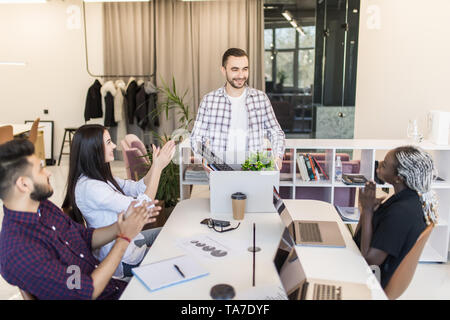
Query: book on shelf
317,174
320,168
195,172
354,179
313,167
302,168
348,214
309,168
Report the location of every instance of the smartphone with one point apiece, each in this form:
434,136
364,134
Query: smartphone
217,223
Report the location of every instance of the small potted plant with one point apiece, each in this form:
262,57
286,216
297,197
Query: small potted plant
259,161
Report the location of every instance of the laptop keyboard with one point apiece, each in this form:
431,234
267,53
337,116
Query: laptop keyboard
309,232
327,292
222,167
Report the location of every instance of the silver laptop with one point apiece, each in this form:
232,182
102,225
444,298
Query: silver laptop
309,233
258,186
300,287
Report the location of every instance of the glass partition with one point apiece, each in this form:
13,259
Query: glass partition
310,65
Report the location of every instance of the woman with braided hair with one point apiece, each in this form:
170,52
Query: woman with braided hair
387,231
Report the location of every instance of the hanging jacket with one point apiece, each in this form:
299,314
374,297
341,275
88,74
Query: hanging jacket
131,99
119,112
152,104
108,92
93,106
145,104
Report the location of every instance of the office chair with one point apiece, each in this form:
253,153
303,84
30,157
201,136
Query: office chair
26,295
34,131
136,163
6,134
404,273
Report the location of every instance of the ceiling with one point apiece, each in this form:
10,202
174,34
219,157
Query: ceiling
304,11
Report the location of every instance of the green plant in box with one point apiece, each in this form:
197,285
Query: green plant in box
259,161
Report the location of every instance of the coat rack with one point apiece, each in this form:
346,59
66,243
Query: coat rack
105,75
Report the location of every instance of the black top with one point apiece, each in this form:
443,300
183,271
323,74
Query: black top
131,100
145,104
93,106
109,110
396,225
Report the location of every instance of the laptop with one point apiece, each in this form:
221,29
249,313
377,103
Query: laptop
216,163
281,208
256,185
306,232
300,287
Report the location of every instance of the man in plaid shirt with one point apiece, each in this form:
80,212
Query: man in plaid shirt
236,118
42,250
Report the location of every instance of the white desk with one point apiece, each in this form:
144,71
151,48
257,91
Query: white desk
339,264
333,263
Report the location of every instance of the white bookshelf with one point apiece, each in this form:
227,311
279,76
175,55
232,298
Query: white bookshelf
367,151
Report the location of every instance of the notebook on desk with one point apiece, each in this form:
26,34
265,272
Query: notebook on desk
169,272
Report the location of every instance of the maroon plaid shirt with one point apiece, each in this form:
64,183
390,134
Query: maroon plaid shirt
39,251
212,124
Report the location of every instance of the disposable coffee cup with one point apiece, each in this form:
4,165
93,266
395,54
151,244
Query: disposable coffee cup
238,202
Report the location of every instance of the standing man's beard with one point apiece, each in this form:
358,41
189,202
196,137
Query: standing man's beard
41,192
230,81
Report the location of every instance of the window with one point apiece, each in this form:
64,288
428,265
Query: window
289,57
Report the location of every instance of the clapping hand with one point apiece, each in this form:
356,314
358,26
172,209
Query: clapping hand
162,156
367,200
136,218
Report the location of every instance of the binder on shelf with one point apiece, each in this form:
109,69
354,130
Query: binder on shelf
308,166
169,272
302,168
320,168
313,167
317,174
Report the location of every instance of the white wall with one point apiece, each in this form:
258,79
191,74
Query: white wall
49,38
403,65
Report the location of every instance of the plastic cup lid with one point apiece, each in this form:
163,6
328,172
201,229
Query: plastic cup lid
238,196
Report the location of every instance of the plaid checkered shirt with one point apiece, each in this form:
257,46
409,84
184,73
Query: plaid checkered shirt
212,124
38,250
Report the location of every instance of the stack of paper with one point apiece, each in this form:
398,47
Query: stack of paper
169,272
195,172
348,214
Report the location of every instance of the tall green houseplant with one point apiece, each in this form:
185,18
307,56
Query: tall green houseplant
169,185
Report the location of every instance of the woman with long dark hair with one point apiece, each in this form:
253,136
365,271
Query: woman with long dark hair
96,198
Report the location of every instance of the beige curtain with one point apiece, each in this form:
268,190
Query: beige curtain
129,42
190,39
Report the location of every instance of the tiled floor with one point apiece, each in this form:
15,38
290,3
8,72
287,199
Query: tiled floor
431,280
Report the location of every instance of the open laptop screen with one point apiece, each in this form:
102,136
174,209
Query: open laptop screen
281,208
284,248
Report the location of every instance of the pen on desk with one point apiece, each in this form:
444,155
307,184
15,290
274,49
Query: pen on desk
254,251
179,270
